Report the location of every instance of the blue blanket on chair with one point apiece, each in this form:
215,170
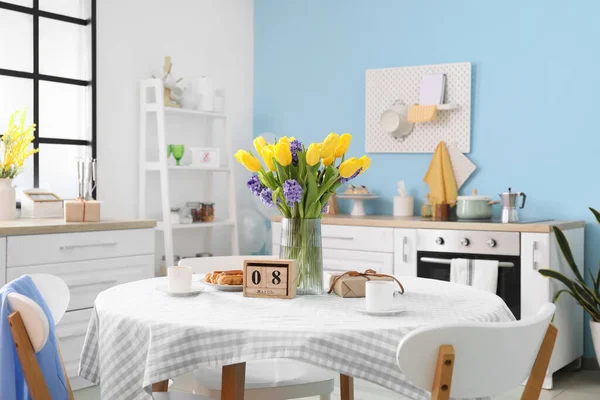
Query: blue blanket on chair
12,381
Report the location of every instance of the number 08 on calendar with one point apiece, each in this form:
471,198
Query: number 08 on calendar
270,278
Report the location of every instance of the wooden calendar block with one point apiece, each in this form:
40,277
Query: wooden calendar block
256,277
276,277
270,278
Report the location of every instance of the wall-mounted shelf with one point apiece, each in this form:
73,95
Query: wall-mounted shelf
155,166
174,110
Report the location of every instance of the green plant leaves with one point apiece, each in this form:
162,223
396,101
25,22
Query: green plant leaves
596,214
565,249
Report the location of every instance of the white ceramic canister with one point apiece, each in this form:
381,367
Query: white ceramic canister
204,90
8,200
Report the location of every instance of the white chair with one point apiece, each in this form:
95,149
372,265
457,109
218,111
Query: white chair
30,331
471,360
277,379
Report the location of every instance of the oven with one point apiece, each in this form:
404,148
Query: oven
437,248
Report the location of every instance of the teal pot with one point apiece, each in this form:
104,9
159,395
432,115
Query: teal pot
474,207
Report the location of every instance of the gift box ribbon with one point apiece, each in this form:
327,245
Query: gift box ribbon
367,274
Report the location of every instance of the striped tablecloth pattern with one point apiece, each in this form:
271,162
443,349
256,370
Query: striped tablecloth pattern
138,336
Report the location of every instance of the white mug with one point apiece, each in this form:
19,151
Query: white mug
180,279
379,295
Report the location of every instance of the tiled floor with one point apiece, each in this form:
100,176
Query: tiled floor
582,385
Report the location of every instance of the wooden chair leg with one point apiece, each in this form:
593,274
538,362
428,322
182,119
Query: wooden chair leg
442,382
233,382
346,387
31,369
538,372
162,386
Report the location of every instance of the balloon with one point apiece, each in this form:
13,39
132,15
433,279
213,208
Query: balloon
253,231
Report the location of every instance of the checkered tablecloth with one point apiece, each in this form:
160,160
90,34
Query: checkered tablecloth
138,336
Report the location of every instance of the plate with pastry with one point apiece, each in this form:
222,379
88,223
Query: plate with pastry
226,281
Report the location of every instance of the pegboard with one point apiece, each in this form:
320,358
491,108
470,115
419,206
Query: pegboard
385,86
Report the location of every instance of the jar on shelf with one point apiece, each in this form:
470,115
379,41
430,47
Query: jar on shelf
208,212
185,215
175,220
204,254
196,209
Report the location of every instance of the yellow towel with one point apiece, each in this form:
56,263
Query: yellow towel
417,113
440,177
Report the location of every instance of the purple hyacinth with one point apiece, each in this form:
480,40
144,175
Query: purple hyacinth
292,191
266,196
354,175
295,147
255,185
325,208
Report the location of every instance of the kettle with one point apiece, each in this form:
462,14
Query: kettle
509,206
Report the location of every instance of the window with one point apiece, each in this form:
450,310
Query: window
48,66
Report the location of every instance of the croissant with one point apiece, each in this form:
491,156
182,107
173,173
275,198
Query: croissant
230,279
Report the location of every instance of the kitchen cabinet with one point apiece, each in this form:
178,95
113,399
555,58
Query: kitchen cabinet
89,262
405,252
538,251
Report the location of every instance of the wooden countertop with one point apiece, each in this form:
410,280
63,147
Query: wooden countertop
388,221
34,226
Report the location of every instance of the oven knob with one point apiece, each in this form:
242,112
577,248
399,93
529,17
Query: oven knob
439,241
465,242
491,243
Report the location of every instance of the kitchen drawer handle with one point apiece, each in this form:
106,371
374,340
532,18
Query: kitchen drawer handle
339,237
69,337
80,285
80,246
404,245
533,251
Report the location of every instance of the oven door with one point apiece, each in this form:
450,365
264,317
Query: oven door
436,265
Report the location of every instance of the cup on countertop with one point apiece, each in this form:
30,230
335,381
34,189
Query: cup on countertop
180,279
379,295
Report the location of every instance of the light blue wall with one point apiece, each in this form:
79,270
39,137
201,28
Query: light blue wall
536,75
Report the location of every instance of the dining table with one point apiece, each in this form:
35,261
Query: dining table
139,337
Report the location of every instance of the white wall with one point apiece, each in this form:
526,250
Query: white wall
203,37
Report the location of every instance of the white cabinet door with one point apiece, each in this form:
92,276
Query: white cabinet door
70,333
2,261
86,279
535,289
405,252
350,260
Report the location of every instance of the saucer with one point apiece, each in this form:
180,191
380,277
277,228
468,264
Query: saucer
393,311
196,289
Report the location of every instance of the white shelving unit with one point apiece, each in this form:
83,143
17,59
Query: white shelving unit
153,89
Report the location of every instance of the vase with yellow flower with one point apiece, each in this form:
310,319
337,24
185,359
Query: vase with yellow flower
15,148
299,180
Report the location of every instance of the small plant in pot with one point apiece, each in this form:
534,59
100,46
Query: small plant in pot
587,297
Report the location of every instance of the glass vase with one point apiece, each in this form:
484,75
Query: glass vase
301,241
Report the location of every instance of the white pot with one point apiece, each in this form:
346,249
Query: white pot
595,329
8,200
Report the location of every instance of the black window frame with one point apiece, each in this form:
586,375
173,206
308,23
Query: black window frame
36,77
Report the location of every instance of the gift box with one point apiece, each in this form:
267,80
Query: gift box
352,283
82,211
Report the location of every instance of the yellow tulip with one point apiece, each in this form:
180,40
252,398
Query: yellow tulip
313,154
267,155
329,160
349,167
248,160
329,145
283,154
284,139
365,163
259,143
343,144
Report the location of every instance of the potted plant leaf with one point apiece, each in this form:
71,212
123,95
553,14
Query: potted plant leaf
587,297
